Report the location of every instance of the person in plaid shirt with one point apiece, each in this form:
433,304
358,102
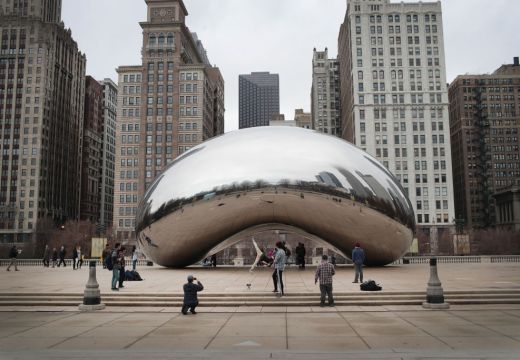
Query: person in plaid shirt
324,273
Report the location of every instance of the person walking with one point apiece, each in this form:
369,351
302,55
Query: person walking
74,258
214,260
80,258
62,257
190,295
115,266
279,267
46,256
13,255
54,257
358,258
134,257
300,256
324,273
121,256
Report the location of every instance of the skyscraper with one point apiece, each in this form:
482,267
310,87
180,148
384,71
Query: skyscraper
485,123
99,130
395,102
91,151
167,105
259,99
325,94
108,153
42,87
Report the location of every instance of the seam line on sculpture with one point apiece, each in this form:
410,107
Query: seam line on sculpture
218,332
84,332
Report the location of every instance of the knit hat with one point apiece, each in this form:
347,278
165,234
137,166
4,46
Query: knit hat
190,278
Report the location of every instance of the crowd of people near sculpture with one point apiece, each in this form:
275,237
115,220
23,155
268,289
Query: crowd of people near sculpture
113,259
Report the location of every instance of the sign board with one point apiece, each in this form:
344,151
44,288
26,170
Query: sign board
98,245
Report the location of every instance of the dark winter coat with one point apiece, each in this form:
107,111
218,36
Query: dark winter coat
190,293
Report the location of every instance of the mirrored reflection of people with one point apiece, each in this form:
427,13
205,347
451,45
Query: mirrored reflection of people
46,256
279,267
13,256
324,273
62,257
358,258
54,257
190,295
300,256
264,259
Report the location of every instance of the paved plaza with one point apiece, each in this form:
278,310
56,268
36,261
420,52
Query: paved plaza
469,276
348,332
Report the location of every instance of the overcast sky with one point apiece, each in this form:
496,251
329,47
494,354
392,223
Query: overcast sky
242,36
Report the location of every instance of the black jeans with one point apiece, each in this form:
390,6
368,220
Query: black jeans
121,277
191,307
62,261
277,273
326,289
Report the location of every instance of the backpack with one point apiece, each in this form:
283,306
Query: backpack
132,276
370,285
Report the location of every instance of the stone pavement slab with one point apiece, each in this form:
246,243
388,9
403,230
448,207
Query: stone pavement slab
159,280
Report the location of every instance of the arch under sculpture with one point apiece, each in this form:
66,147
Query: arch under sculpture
273,177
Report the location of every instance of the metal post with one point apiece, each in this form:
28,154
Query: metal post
434,292
92,295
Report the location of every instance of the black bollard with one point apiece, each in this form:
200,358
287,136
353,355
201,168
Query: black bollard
92,295
434,292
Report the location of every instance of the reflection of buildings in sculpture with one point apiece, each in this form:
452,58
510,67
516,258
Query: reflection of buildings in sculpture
379,191
329,179
358,190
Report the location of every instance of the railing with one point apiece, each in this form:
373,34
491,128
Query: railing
68,262
460,259
405,260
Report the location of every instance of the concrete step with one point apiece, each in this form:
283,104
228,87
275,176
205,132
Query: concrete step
264,303
264,298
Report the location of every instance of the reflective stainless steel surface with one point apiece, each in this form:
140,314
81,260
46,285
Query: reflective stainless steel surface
281,177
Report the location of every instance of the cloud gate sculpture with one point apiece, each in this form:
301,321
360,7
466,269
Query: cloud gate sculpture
274,177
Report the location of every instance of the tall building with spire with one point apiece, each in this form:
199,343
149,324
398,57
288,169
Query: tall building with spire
171,102
42,90
395,101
